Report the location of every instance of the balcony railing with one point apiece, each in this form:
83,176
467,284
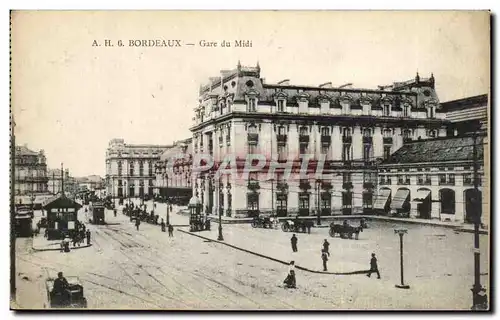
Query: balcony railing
303,139
385,182
253,185
447,183
281,137
387,140
253,138
347,185
326,185
368,185
326,139
281,185
305,185
368,140
347,139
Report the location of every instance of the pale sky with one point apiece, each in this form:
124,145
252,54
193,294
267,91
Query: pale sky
70,98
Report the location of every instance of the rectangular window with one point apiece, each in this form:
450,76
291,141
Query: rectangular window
346,177
281,105
442,178
325,131
282,154
467,179
325,149
281,130
253,201
451,178
346,152
420,178
387,110
251,105
303,148
367,152
252,149
387,152
150,168
141,168
304,201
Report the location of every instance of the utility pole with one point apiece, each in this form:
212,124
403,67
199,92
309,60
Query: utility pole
269,168
479,298
53,183
62,179
12,212
166,197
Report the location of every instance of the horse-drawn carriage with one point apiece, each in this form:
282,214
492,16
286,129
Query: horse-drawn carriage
197,220
265,221
345,230
71,297
297,225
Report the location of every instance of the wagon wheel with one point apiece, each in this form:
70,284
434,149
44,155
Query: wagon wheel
284,227
254,224
332,233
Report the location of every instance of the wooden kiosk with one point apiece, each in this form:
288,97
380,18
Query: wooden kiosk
62,214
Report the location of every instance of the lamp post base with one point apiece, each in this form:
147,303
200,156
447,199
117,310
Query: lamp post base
220,237
402,286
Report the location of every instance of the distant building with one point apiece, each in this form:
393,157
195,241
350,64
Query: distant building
91,183
130,168
353,128
30,172
432,179
173,172
466,115
55,182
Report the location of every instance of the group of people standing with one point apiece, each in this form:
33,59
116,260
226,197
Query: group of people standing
290,280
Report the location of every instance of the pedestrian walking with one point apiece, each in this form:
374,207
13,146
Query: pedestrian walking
373,267
170,230
324,257
137,223
87,233
290,280
294,240
162,225
326,247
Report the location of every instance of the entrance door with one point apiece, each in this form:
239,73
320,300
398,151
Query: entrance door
472,205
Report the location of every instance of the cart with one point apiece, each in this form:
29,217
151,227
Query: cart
72,297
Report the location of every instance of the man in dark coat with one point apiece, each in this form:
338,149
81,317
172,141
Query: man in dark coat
87,233
373,267
326,247
162,225
170,230
294,240
324,257
137,223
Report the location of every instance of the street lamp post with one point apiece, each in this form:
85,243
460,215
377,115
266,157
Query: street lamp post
318,202
220,237
479,297
401,232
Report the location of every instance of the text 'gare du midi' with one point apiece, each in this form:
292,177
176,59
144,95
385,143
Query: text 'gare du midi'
395,150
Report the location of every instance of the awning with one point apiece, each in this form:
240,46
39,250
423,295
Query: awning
400,198
422,195
382,198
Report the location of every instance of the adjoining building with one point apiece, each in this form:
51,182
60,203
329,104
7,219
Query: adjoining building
432,179
30,174
467,115
130,168
240,114
174,173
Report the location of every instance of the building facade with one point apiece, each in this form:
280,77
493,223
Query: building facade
30,172
433,179
130,168
467,115
56,181
174,172
352,129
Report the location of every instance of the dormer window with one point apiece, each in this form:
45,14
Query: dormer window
431,112
281,105
386,110
251,105
406,110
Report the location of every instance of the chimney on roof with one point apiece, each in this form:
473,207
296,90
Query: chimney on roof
285,82
326,85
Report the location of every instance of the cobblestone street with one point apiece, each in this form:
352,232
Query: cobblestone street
125,268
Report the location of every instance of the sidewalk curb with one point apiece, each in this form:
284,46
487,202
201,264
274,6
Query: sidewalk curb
274,259
59,249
